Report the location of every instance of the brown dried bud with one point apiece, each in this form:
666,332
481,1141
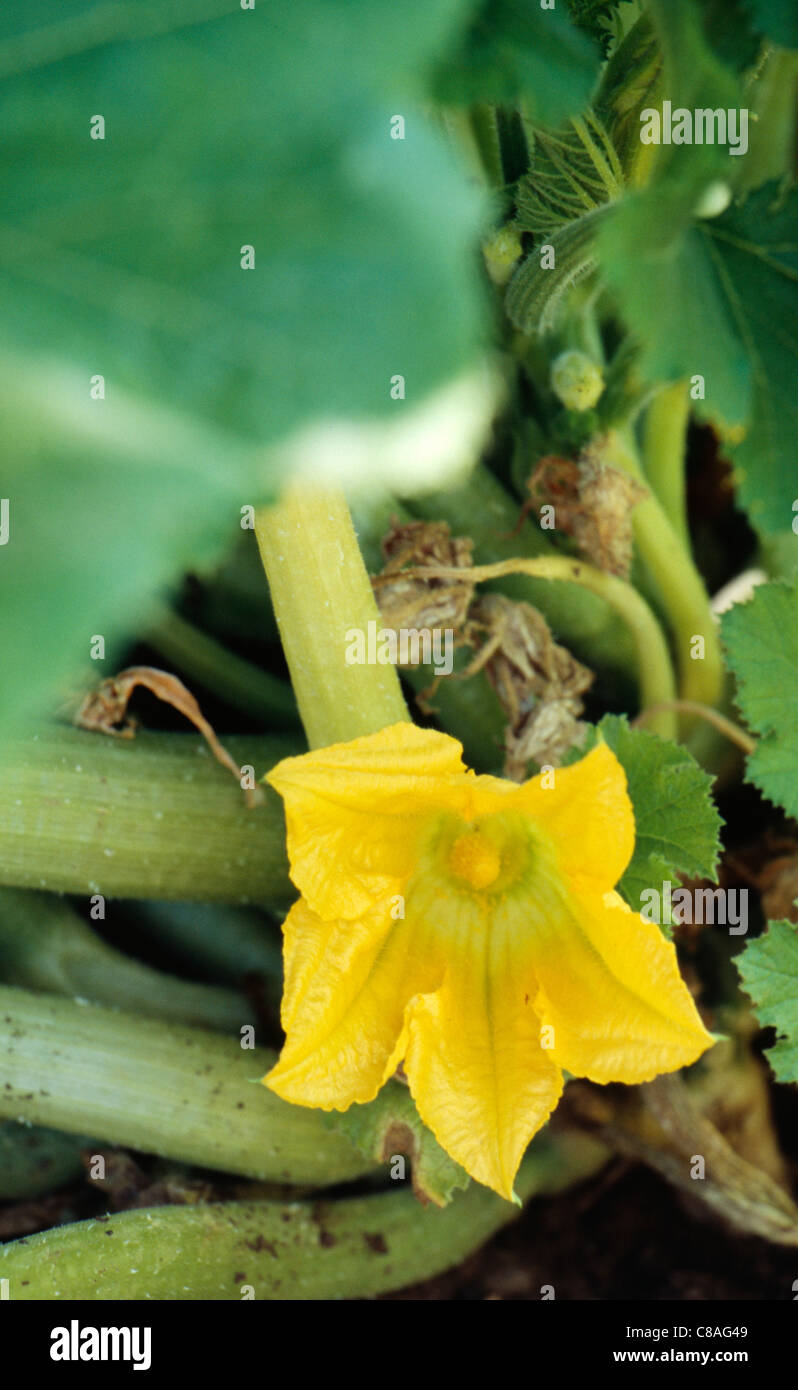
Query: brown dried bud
539,684
428,602
592,503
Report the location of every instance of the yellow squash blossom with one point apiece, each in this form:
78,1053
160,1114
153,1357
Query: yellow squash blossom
467,927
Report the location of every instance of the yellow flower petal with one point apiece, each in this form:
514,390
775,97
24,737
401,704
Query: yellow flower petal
353,812
346,987
587,815
479,1076
611,990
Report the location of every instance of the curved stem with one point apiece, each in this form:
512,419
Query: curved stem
45,945
712,716
351,1248
321,593
678,582
655,673
664,439
178,1092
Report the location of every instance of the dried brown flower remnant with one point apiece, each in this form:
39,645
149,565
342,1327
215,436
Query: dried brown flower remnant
592,503
539,684
106,707
428,602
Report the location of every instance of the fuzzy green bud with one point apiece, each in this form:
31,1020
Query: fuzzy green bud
501,251
576,380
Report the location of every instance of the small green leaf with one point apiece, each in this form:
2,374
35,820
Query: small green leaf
389,1127
676,821
761,638
768,969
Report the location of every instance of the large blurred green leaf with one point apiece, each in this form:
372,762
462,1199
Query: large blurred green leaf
268,128
121,256
107,500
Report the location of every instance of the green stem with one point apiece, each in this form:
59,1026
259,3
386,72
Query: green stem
486,135
679,584
664,441
44,945
320,591
178,1092
201,658
655,674
352,1248
725,726
151,817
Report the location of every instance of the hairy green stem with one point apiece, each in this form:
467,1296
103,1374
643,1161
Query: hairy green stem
152,817
44,945
178,1092
351,1248
320,591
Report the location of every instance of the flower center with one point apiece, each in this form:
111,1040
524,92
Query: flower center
474,858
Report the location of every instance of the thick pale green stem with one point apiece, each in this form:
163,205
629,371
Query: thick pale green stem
664,441
182,1093
351,1248
44,945
321,593
152,817
655,674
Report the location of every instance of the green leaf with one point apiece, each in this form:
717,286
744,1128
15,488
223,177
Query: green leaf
124,253
720,301
514,51
673,301
755,252
768,969
390,1126
729,30
776,18
761,639
121,257
107,500
676,821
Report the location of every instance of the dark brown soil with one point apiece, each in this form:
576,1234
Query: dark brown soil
625,1235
